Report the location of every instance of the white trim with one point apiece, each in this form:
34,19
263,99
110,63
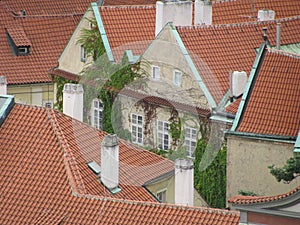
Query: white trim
161,191
190,139
154,75
174,78
138,129
99,110
163,133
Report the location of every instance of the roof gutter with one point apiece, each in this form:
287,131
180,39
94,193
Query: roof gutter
265,137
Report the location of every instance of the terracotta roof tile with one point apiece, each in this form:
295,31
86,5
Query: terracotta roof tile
261,199
239,11
131,2
273,107
128,28
42,162
217,50
47,37
233,107
65,74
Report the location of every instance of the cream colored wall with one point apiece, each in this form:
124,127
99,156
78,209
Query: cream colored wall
247,166
25,93
70,58
168,184
166,53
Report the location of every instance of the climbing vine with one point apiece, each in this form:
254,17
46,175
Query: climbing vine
211,183
60,82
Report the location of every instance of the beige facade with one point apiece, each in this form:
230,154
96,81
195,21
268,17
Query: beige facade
247,166
73,59
33,94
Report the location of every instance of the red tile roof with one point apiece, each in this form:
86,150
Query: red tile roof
243,200
274,107
127,2
44,177
233,107
166,102
239,11
128,28
217,50
47,37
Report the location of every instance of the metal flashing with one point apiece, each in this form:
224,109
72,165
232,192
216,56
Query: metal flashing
297,144
189,60
160,178
221,118
131,58
248,88
6,104
94,167
103,35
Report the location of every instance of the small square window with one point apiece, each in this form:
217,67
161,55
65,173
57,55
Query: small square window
82,54
155,72
162,196
177,78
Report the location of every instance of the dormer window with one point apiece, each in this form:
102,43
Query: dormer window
23,50
18,40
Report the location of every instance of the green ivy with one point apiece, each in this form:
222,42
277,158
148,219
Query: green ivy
211,183
60,82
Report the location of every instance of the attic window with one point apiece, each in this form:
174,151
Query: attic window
18,40
94,167
23,50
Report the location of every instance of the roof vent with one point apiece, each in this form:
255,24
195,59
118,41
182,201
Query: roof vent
265,15
23,12
110,163
238,82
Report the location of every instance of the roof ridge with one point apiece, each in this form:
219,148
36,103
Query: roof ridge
285,53
261,199
240,24
112,7
162,205
71,167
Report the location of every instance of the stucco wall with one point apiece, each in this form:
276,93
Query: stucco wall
35,94
70,60
167,184
247,166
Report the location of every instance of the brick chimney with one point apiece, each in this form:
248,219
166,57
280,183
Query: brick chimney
110,162
177,12
73,101
203,12
184,182
3,85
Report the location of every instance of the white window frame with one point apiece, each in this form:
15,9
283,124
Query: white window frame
155,72
82,54
97,110
23,50
163,192
162,134
189,138
137,130
175,81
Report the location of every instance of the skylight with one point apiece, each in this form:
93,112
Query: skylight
94,167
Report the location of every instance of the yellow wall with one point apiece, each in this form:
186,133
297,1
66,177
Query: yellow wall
32,93
247,166
168,184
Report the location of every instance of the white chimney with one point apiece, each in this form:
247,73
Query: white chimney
265,15
184,182
177,12
110,162
203,12
278,35
73,101
3,85
238,82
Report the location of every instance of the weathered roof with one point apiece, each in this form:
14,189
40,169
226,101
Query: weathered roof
128,28
44,177
46,35
247,200
217,50
273,107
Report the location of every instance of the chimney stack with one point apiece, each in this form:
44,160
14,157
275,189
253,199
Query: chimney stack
265,15
177,12
238,82
110,162
184,182
3,85
203,12
73,101
278,35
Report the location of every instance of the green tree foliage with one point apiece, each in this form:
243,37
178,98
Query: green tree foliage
211,183
288,172
60,82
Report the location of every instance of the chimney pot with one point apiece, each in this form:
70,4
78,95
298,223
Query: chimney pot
73,101
203,12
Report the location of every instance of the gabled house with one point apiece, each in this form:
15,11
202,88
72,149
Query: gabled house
52,170
266,125
269,210
33,35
